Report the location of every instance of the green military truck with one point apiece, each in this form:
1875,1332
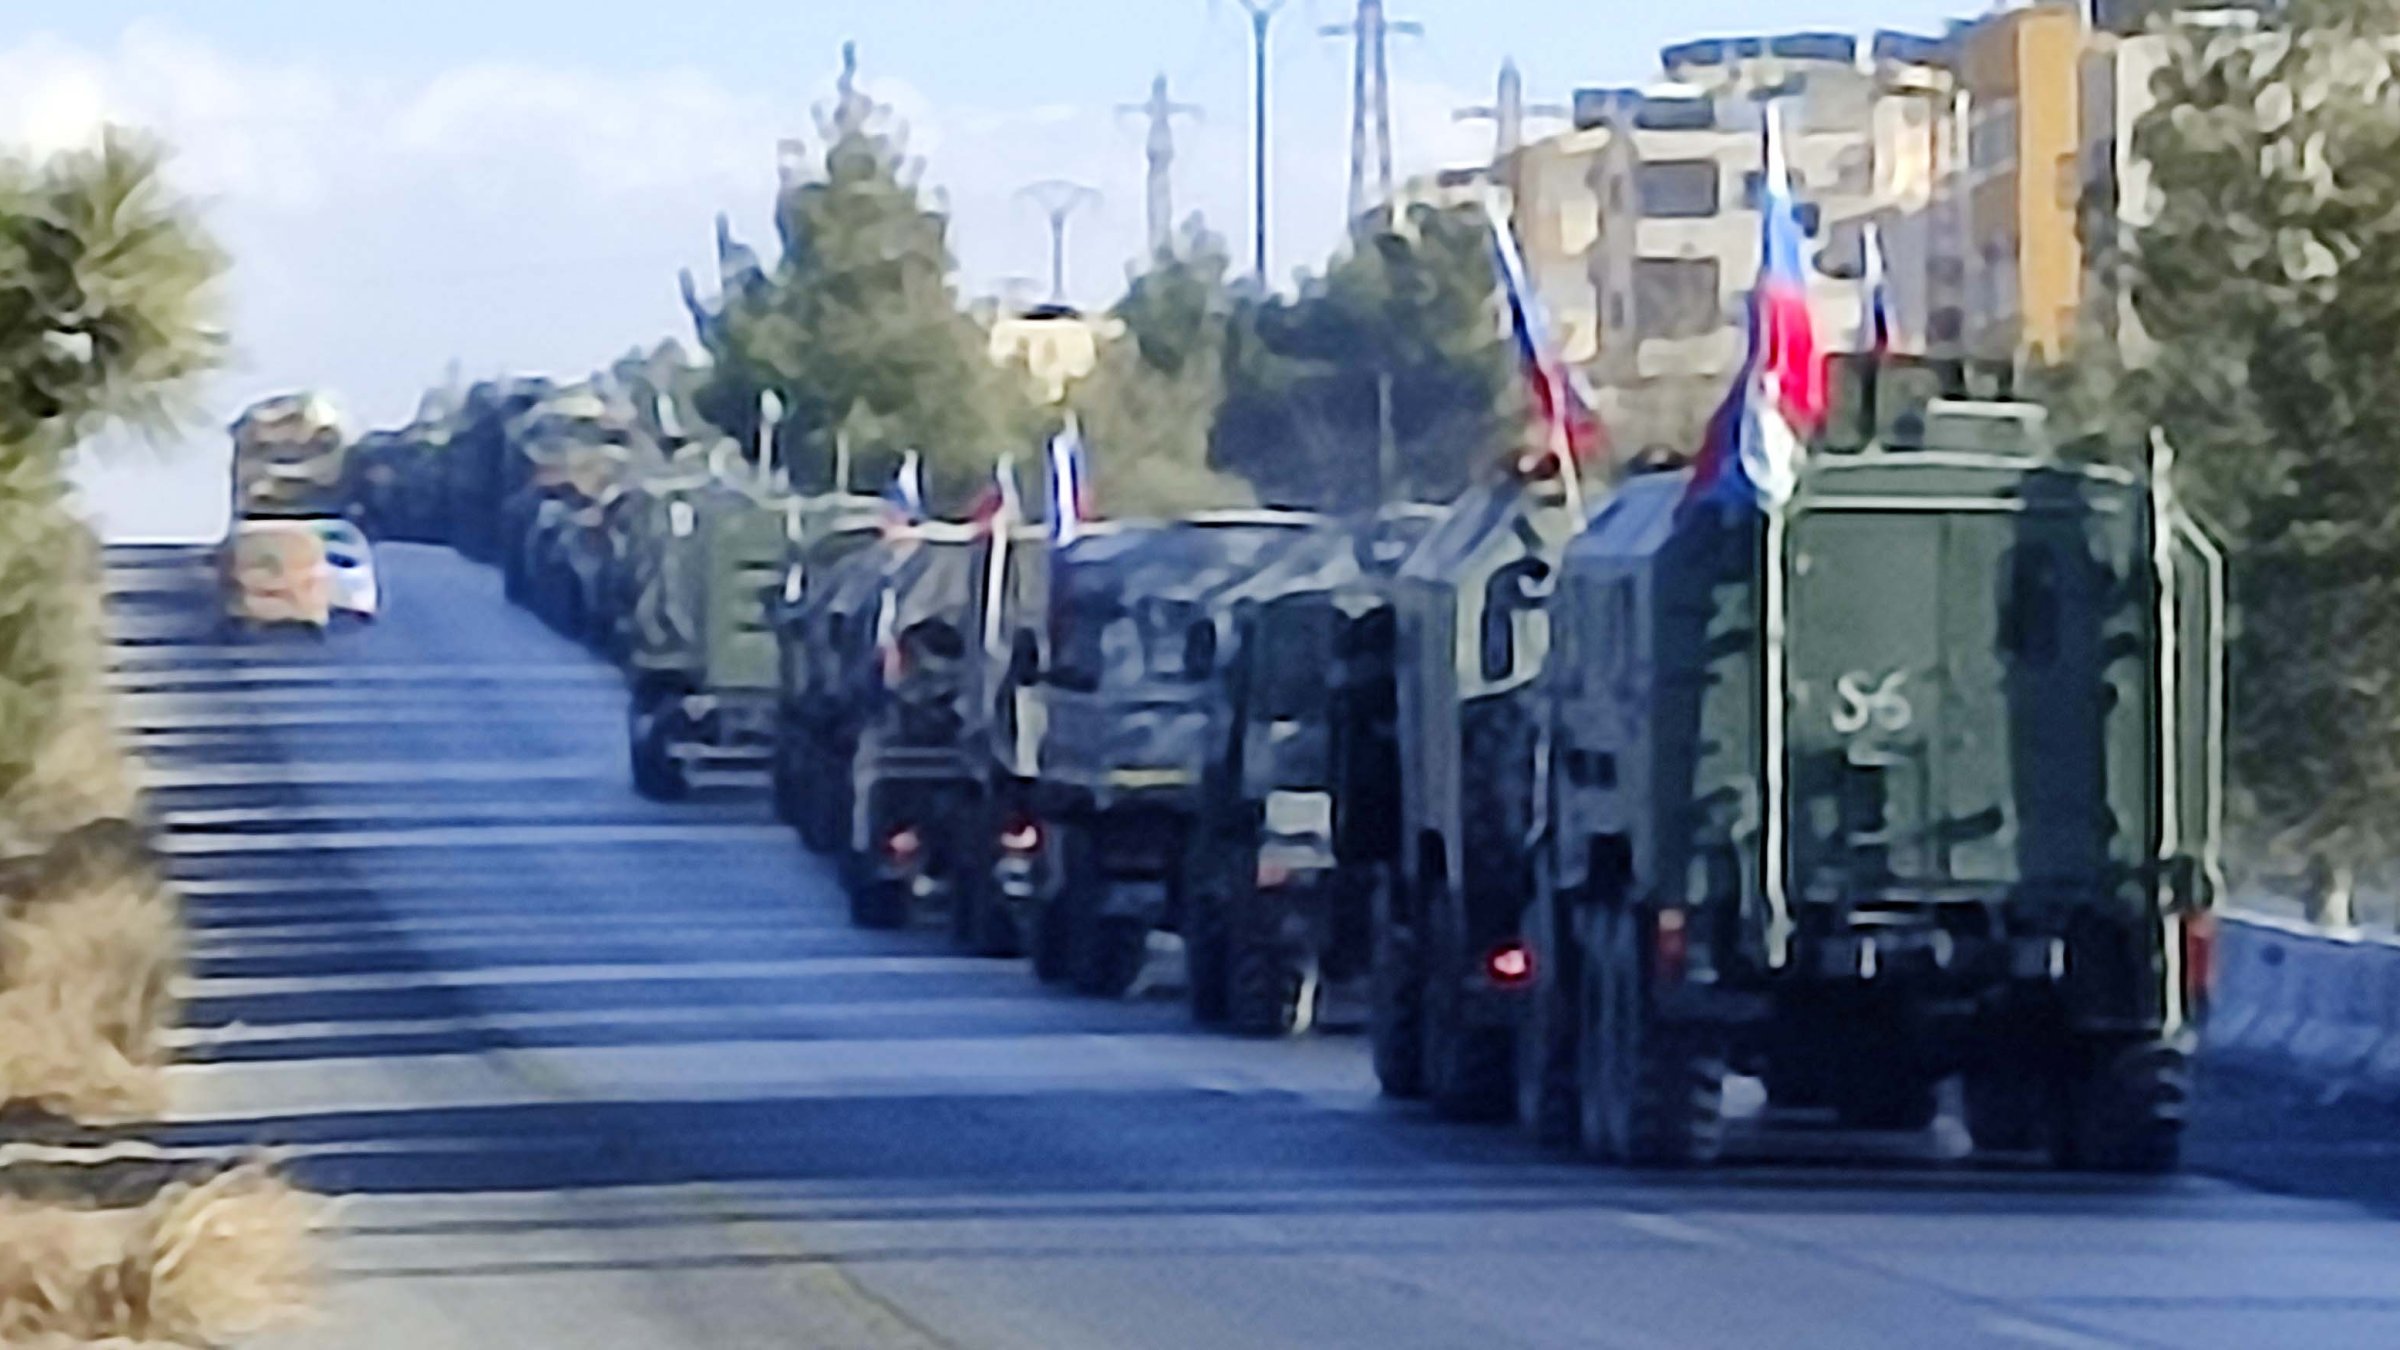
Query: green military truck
1919,778
823,618
1472,632
917,829
701,655
288,460
1126,712
1302,787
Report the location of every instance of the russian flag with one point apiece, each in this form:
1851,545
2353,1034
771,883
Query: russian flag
1754,443
1560,403
1070,493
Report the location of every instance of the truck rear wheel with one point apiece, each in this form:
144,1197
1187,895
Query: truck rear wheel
1469,1070
2009,1106
652,726
787,778
1650,1094
878,904
1546,1038
2124,1108
979,922
1273,989
1206,940
1398,991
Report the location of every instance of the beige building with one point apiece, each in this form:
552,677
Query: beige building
1675,181
1056,346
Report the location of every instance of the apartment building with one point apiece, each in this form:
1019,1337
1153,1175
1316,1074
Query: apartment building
2020,71
1675,182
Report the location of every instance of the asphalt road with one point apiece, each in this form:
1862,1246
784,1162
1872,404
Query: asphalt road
592,1072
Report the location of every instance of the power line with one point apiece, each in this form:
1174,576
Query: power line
1162,112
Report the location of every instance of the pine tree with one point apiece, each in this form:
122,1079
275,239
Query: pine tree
1151,401
860,330
1411,304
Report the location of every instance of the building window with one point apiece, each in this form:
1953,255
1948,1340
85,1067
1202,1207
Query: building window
1616,309
1992,139
1678,189
1676,297
1944,325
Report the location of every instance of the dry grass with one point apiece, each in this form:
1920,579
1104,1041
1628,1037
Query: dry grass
202,1264
90,943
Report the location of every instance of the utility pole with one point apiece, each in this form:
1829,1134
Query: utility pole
1508,112
1262,13
1162,112
1370,98
1060,199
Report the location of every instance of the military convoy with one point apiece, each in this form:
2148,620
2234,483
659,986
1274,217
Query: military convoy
1594,796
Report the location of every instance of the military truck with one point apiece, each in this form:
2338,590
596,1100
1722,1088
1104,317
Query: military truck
1471,634
701,658
1919,777
917,828
1127,711
288,456
474,472
1300,791
822,619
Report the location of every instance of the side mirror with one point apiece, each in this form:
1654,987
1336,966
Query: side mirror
1024,659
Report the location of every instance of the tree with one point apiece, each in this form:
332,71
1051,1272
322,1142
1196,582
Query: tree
108,300
859,329
1151,401
2269,279
1408,309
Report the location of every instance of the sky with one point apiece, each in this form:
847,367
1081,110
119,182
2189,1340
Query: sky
511,186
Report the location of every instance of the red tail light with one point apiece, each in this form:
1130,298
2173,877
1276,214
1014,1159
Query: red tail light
903,844
1021,836
2199,957
1509,965
1671,946
1272,874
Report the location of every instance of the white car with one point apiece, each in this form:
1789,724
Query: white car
351,560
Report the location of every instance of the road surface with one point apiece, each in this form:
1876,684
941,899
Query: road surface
593,1072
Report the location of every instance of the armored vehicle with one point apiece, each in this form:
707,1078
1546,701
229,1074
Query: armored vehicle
1301,790
822,618
288,457
701,658
1472,632
1917,777
474,481
1127,714
917,828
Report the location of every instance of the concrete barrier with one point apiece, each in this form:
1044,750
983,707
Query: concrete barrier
2313,1003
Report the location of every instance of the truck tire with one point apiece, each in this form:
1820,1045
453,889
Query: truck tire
1649,1094
651,728
1273,989
2124,1108
1397,986
878,904
1053,943
824,825
1207,940
787,777
980,923
2009,1106
1546,1102
1794,1088
1470,1071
